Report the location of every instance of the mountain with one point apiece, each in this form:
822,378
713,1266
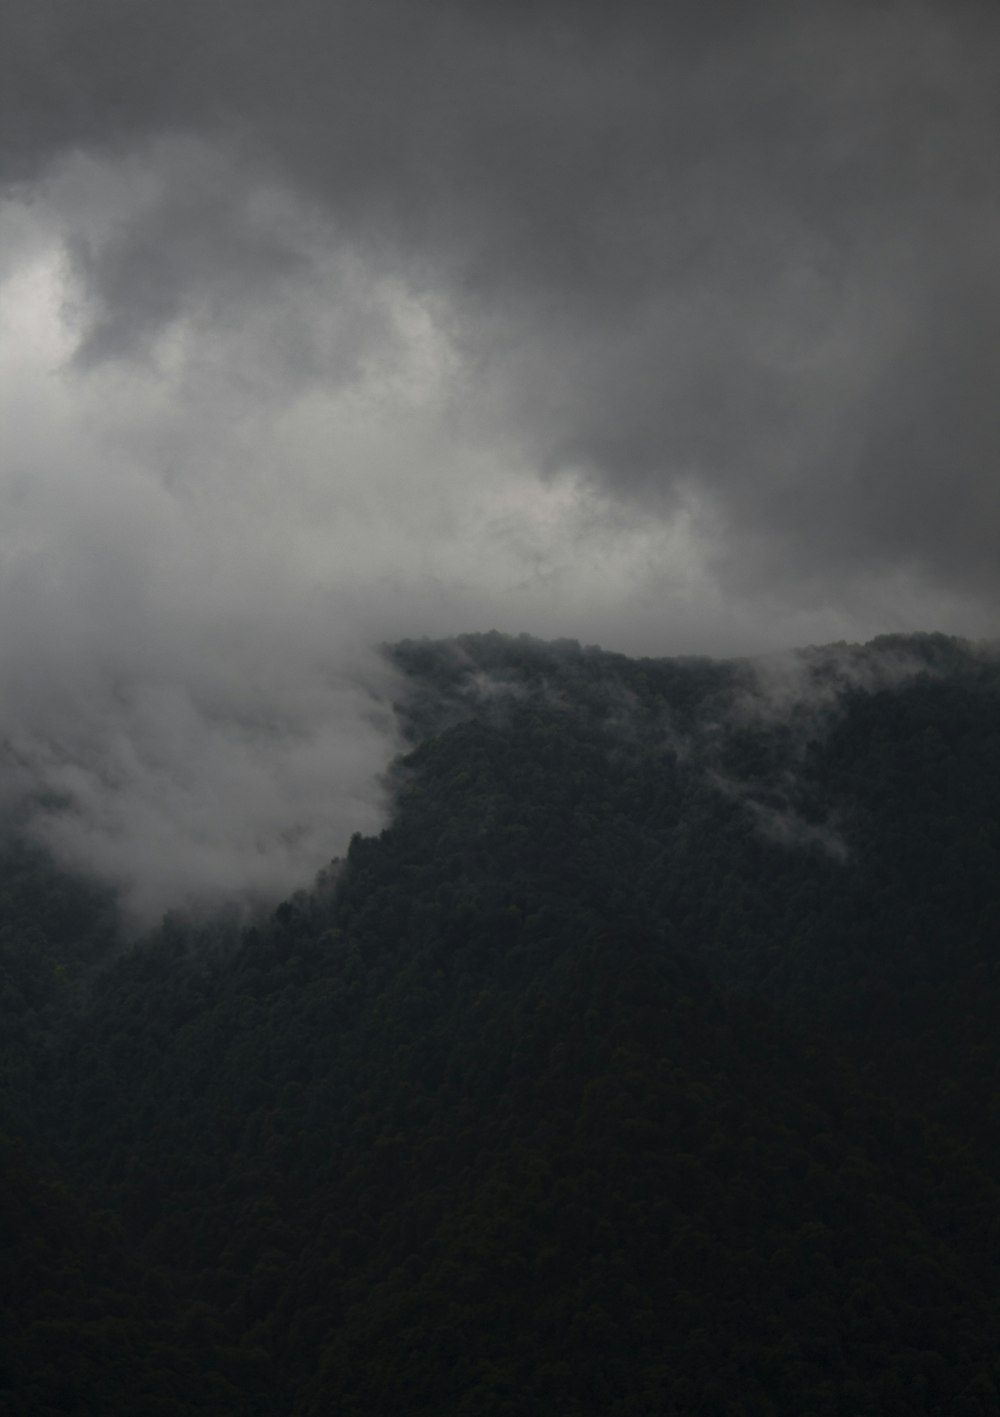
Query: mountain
645,1064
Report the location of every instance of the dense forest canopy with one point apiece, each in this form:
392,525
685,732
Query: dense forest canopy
646,1063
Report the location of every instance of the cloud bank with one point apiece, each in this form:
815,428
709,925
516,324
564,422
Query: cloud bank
325,325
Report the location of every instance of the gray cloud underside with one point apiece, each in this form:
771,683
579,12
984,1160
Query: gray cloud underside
742,254
672,327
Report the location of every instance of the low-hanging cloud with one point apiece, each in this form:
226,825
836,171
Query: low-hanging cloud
179,708
325,325
200,553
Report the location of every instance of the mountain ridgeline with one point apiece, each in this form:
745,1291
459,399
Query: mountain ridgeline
646,1063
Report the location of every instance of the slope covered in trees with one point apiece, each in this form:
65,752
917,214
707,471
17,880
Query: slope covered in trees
644,1064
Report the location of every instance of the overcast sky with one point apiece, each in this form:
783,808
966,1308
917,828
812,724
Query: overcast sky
670,327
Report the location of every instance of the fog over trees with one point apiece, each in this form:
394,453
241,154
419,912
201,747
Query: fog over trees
407,1006
645,1062
325,326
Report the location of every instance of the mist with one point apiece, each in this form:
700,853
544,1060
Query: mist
325,326
202,553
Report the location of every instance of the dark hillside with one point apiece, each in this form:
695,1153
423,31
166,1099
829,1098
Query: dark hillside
643,1065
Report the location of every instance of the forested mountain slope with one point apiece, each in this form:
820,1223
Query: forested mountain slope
646,1063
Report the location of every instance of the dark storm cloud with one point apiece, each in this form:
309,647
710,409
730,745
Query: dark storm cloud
743,250
322,324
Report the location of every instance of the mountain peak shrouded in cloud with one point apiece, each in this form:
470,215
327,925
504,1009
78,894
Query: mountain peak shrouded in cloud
670,327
